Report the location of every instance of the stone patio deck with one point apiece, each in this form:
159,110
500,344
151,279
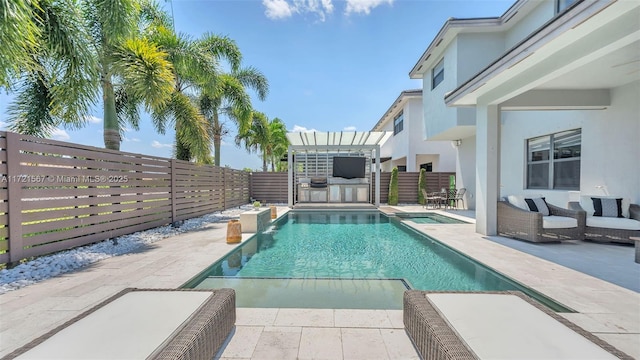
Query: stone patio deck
607,310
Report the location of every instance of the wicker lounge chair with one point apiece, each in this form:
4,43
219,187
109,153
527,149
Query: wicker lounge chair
489,325
527,225
610,229
143,323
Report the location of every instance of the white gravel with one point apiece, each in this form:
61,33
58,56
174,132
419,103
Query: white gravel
45,267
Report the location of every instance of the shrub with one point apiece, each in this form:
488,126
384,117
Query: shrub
393,187
422,184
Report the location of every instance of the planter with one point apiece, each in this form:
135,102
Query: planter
234,232
274,212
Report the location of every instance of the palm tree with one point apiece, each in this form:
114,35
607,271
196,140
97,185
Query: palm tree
268,137
46,58
278,143
229,97
97,45
256,136
196,71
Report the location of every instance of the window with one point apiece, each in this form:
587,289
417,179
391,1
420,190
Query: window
563,4
428,167
402,168
398,123
437,74
553,161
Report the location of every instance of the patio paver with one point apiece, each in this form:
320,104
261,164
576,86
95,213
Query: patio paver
607,310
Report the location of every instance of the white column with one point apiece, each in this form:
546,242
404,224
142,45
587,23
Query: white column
378,175
290,166
487,168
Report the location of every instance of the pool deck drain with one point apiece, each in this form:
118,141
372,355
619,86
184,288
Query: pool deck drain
606,310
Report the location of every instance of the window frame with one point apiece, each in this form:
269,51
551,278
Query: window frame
398,123
552,160
562,5
437,77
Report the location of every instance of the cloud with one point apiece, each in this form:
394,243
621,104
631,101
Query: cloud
59,134
297,128
158,145
124,138
363,6
349,128
282,9
93,119
3,125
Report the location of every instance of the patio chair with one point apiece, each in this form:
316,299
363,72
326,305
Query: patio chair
455,196
435,199
516,220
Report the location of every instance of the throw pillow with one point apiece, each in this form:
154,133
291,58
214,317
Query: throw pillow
607,207
538,205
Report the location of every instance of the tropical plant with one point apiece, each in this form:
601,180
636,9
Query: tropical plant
278,144
85,46
47,59
422,184
393,187
229,97
256,136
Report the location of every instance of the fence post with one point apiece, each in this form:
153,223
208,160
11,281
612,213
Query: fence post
14,198
224,188
173,190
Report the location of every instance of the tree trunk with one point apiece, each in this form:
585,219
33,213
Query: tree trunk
264,161
111,127
217,138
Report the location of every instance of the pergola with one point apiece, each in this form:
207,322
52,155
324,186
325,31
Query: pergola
364,143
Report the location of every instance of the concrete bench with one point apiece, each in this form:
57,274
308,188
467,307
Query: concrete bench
142,324
504,325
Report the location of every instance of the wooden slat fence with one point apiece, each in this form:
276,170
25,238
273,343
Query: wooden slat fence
270,187
56,195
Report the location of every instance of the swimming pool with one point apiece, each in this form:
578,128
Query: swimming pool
355,246
430,218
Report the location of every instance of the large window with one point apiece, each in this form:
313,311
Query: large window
553,161
398,123
437,74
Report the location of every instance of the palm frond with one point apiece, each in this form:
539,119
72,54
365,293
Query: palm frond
191,127
252,78
222,47
146,72
30,113
19,35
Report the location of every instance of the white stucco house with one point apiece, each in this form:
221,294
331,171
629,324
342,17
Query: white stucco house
544,99
407,148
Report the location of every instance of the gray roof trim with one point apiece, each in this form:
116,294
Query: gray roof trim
453,24
576,13
403,95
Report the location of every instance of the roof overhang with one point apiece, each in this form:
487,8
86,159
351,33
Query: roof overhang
593,45
397,106
452,27
337,141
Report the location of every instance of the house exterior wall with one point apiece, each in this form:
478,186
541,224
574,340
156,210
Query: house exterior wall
544,11
609,154
438,117
466,170
408,147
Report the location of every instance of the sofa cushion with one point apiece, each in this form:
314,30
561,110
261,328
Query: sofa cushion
558,222
587,204
607,207
613,223
518,201
538,205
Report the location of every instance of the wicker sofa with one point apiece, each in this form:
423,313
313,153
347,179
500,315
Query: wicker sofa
518,223
610,229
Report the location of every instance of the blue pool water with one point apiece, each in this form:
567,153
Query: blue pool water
344,245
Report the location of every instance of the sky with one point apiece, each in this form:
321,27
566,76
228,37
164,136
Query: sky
331,65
